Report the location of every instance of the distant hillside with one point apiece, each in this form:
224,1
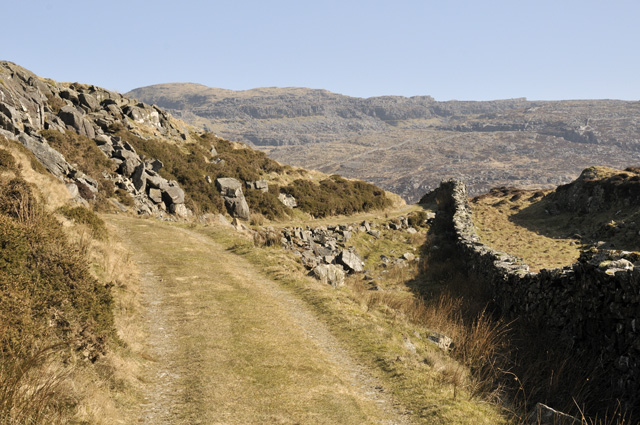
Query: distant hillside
116,152
408,145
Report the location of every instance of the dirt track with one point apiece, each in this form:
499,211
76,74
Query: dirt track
231,346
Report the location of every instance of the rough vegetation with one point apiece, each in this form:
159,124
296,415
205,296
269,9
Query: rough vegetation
432,317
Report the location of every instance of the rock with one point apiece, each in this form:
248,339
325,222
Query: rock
89,102
330,274
442,341
544,415
213,152
234,200
154,164
179,210
237,207
208,179
412,231
408,256
229,187
350,260
139,178
49,157
73,118
374,233
288,200
258,185
173,194
155,195
129,166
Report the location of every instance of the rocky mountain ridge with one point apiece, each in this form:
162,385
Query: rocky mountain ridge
408,145
30,105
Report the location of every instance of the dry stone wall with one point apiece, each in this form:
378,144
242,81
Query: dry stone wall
593,304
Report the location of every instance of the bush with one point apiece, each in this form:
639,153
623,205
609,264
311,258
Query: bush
336,195
6,161
47,290
82,215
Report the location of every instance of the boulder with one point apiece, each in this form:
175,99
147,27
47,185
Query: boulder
288,200
74,118
234,201
229,187
350,260
258,185
49,157
173,194
129,166
237,207
329,274
155,195
139,178
89,102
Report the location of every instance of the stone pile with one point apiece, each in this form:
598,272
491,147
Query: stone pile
326,252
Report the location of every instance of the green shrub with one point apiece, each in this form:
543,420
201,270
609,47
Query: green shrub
336,196
83,215
7,162
47,290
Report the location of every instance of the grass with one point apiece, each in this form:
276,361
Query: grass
389,331
500,223
60,358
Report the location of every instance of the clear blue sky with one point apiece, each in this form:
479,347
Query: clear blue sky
460,49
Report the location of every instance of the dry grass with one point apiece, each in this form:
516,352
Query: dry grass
541,248
389,330
30,388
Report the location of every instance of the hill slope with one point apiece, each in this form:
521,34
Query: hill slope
408,145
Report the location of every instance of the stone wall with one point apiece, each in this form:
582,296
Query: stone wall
593,304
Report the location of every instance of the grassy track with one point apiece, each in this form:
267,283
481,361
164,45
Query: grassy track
230,346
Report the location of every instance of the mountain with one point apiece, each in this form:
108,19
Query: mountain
109,148
408,145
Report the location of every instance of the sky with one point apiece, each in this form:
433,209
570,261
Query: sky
448,49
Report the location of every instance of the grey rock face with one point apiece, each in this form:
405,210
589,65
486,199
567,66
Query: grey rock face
28,105
73,118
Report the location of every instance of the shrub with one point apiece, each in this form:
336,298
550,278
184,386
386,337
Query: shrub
6,161
83,215
336,195
47,290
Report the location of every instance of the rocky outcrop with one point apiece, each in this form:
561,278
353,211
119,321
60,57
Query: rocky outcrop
234,200
591,304
29,104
